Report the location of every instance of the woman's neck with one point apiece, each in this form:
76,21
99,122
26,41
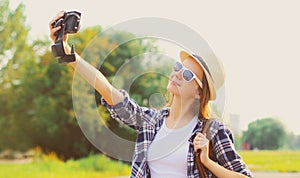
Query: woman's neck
183,109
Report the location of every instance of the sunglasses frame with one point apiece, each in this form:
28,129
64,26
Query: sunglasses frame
186,69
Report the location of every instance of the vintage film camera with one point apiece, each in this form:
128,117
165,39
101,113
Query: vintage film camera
69,24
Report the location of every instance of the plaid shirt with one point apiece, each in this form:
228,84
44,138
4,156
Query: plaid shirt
148,122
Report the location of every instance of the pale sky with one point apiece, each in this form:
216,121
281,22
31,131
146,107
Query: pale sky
258,42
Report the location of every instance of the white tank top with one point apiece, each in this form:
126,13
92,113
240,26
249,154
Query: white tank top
167,154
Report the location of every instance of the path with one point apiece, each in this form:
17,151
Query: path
276,175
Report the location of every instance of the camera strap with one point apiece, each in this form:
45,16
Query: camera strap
58,50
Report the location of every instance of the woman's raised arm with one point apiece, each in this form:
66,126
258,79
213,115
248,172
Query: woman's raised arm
111,95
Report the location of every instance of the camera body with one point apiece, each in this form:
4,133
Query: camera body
69,23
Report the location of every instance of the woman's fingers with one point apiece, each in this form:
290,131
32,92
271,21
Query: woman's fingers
200,136
200,141
58,16
55,29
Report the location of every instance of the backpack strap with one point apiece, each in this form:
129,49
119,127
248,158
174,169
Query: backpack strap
200,166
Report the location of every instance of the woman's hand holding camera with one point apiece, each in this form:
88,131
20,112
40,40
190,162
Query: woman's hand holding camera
54,31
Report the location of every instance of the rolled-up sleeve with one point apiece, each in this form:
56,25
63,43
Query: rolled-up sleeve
130,113
226,154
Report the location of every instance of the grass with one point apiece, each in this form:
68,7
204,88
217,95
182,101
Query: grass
92,167
282,161
98,166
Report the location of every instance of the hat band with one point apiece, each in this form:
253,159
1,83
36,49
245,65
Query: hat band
204,65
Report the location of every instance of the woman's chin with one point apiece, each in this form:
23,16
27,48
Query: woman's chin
172,89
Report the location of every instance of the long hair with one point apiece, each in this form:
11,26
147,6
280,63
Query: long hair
204,110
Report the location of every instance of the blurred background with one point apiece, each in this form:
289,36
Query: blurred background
258,43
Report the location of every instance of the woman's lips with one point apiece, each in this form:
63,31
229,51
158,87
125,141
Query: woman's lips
174,83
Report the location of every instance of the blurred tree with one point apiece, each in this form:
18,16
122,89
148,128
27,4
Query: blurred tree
36,92
297,144
267,133
15,53
292,141
237,141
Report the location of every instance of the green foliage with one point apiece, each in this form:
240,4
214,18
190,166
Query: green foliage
265,133
238,142
13,31
292,142
36,92
15,52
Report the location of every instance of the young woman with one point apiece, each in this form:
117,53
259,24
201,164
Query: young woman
168,138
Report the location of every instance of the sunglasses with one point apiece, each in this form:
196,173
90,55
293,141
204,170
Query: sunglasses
187,74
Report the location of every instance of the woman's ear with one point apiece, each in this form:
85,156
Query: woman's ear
198,93
197,96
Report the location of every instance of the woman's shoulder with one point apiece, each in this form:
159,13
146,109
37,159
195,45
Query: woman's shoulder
219,124
216,124
163,113
155,116
219,128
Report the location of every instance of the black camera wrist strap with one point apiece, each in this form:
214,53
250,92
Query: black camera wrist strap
58,49
69,24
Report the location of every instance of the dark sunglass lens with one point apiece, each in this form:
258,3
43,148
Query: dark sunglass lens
177,66
187,75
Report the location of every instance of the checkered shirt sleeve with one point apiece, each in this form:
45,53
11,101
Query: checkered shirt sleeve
225,151
130,113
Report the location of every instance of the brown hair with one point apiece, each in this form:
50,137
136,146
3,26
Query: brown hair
204,110
205,95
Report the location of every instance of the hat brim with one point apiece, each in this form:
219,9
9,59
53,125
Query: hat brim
183,56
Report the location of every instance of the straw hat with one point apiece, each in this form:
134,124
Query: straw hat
213,71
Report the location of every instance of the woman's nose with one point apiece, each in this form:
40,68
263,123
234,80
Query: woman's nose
178,74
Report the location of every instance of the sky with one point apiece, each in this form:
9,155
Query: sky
257,41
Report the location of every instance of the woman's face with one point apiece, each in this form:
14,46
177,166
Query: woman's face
179,87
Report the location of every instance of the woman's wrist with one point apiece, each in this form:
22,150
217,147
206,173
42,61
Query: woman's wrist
205,160
67,48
